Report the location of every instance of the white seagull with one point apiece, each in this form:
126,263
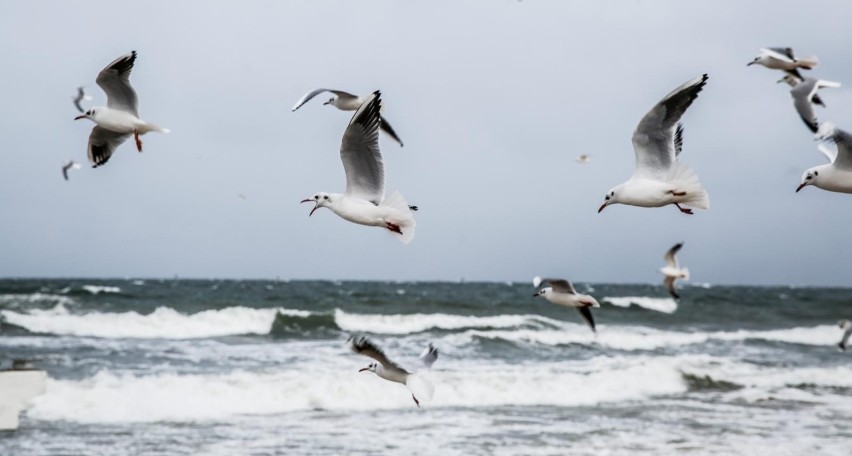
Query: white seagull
672,271
793,81
783,59
847,326
562,292
836,176
583,159
421,388
70,165
79,98
364,202
120,117
803,95
659,178
345,101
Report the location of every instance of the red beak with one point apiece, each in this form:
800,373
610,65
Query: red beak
79,117
601,208
311,200
801,186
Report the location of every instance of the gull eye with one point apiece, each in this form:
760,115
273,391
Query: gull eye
325,197
816,173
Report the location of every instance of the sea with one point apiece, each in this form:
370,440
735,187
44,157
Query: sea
261,367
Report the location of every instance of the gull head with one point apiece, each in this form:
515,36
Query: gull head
542,292
843,324
808,178
90,114
611,197
321,199
330,101
370,368
758,59
791,80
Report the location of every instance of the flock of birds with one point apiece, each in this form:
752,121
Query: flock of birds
659,178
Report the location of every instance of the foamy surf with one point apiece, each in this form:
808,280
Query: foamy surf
414,323
665,305
98,289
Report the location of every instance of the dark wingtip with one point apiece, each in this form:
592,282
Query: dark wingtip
413,208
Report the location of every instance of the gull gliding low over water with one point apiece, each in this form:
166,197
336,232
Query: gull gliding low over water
345,101
672,271
659,179
120,117
421,388
364,202
562,292
835,176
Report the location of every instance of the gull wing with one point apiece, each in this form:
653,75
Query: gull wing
429,355
362,160
560,285
115,81
658,138
586,313
364,346
670,258
669,282
102,144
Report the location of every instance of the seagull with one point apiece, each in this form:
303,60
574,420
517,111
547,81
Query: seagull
120,117
672,271
70,165
659,178
81,96
783,59
847,326
562,292
421,389
793,81
364,202
836,176
803,94
583,159
345,101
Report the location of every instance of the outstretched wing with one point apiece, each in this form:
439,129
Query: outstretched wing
115,81
363,346
386,127
669,282
362,160
560,285
586,313
671,259
102,144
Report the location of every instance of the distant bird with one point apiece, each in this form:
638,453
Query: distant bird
847,326
793,81
836,176
562,292
79,98
803,95
421,389
70,165
364,202
783,59
672,271
659,178
345,101
241,196
120,117
583,159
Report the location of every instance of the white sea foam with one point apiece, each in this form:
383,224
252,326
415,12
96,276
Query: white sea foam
413,323
665,305
98,289
164,322
14,300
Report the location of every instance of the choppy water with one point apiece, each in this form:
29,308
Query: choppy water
260,368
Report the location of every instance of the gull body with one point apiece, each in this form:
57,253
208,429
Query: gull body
659,179
793,80
783,59
421,389
364,202
562,292
346,101
835,176
846,326
116,121
803,98
672,271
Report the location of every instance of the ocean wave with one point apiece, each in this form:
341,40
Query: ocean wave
414,323
665,305
98,289
16,300
164,322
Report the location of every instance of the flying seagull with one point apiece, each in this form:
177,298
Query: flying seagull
562,292
659,178
583,159
79,98
345,101
847,326
672,271
120,117
836,176
803,95
70,165
364,202
421,389
793,81
783,59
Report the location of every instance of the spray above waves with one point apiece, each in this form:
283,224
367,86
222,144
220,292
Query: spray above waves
98,289
665,305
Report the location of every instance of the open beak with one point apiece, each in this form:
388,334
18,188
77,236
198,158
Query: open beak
311,200
79,117
602,207
801,186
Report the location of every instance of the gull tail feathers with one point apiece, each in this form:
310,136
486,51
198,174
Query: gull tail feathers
420,387
807,63
686,181
149,127
402,216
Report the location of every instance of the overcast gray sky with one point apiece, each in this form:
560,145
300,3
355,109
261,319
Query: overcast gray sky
494,100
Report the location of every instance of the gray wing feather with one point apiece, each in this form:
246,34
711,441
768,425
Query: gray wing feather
843,141
561,285
802,95
429,355
115,81
670,258
784,51
362,160
102,144
586,313
386,127
669,282
364,346
658,138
